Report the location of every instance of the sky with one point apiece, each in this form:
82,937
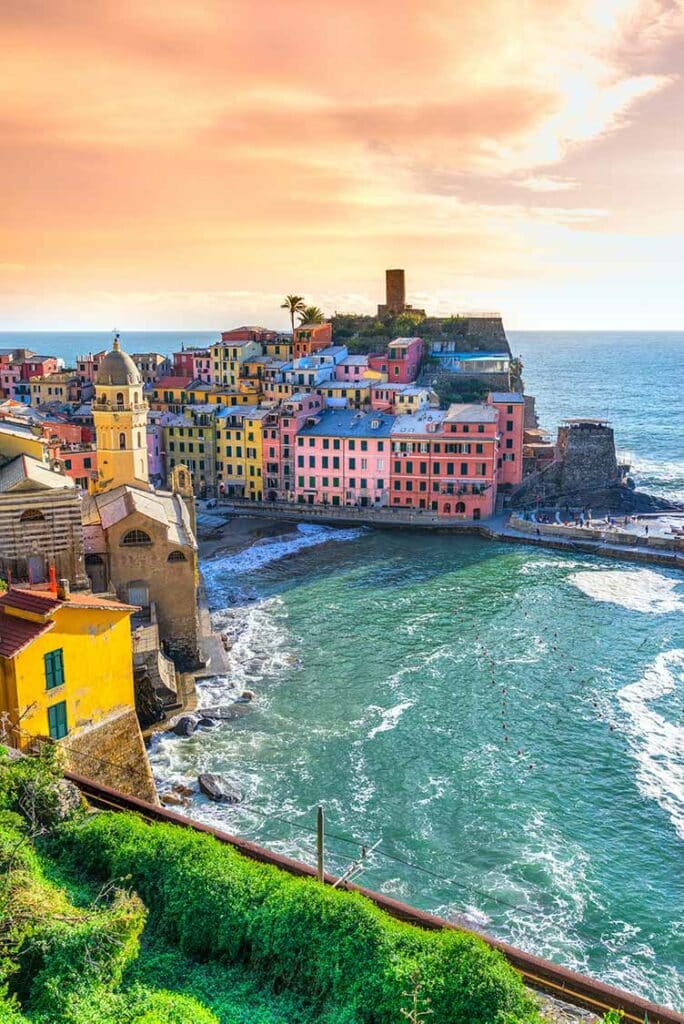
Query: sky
185,164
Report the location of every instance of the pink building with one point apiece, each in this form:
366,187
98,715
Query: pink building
403,360
343,459
194,363
279,444
88,365
511,409
38,366
79,462
10,375
353,368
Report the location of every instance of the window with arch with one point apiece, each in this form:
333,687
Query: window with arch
119,398
460,507
139,440
181,479
176,556
32,515
122,440
136,539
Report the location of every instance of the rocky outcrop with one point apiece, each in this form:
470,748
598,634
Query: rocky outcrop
217,789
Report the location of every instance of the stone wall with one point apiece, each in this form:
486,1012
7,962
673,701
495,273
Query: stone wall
112,752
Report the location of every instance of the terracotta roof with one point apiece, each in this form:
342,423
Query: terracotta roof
16,634
95,601
40,601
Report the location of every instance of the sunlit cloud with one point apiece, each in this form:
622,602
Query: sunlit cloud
201,157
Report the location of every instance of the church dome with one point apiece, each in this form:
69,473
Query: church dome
117,368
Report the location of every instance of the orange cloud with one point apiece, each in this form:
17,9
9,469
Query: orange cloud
221,148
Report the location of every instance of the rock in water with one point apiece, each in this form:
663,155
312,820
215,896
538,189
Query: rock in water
185,725
216,788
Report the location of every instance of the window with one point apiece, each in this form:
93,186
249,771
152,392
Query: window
54,669
397,485
509,424
176,556
352,463
57,720
31,515
381,446
324,461
479,448
336,462
300,461
509,442
312,462
509,409
119,398
423,467
352,446
364,446
300,481
312,481
67,463
380,485
122,440
87,463
136,539
326,442
480,428
409,467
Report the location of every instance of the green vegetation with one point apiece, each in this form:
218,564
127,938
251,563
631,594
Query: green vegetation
372,333
109,920
311,315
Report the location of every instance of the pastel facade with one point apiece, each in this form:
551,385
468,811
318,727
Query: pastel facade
120,415
310,338
446,461
227,358
189,439
342,458
403,360
65,662
194,363
511,409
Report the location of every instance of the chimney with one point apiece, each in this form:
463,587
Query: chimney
64,590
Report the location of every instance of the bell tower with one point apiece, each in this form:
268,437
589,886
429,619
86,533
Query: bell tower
120,415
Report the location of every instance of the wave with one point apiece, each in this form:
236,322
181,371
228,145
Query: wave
390,717
272,549
664,477
639,590
656,743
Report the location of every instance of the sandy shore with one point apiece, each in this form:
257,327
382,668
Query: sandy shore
241,532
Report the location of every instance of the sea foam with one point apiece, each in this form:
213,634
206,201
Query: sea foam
272,549
656,743
639,590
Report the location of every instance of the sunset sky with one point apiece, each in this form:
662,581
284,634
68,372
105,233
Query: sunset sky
184,164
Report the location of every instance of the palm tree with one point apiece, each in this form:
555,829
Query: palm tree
295,306
311,315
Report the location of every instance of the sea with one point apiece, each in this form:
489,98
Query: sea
506,722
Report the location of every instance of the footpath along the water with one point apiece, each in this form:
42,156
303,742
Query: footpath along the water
508,528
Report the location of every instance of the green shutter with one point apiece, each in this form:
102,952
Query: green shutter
54,669
57,720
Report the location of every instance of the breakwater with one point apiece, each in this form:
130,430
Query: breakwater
655,550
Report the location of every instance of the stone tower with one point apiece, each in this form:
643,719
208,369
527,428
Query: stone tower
180,480
395,290
120,415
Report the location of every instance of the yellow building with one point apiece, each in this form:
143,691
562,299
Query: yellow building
19,439
227,358
65,662
120,416
54,387
239,451
356,395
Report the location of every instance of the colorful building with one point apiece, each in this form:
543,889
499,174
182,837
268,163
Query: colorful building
227,358
446,461
194,363
190,440
343,458
57,388
511,409
65,662
403,360
310,338
120,416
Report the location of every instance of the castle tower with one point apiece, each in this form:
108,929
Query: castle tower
395,290
120,415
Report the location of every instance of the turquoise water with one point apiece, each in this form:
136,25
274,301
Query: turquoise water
508,722
634,378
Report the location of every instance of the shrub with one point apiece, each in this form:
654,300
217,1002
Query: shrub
348,958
